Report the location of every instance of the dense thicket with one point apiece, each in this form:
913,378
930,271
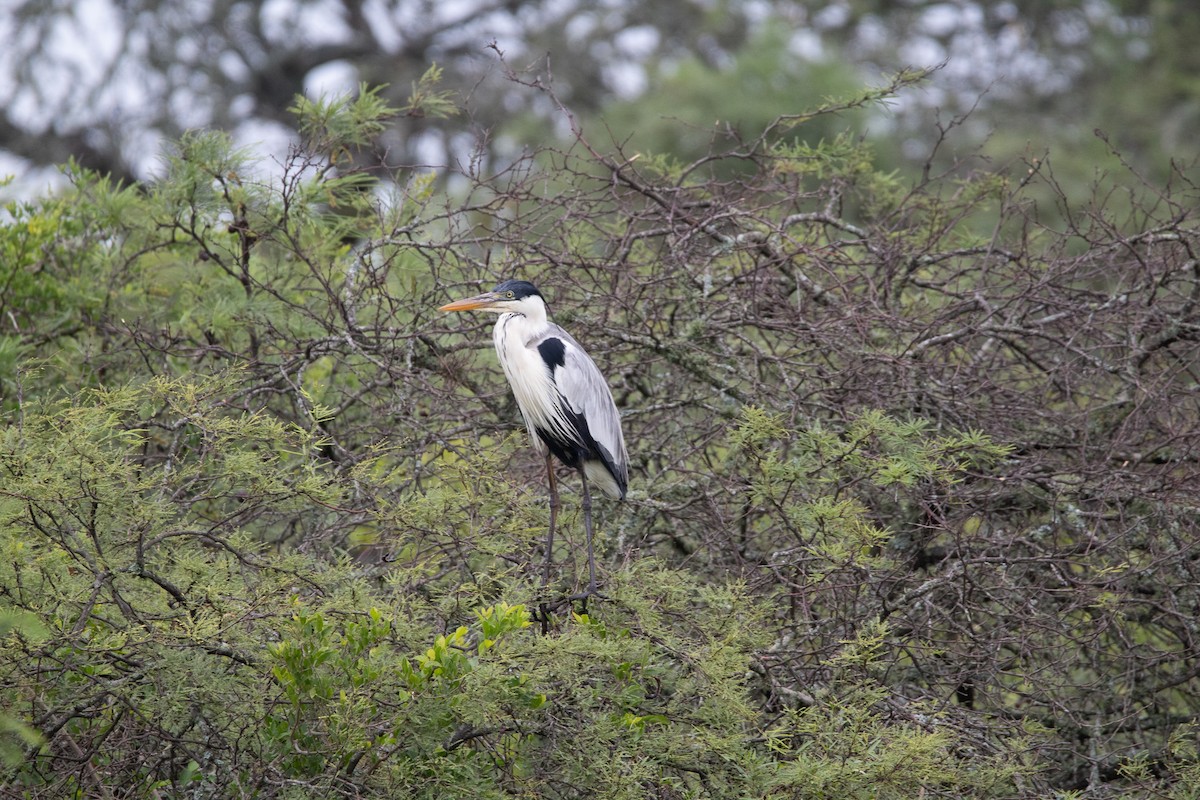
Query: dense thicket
911,511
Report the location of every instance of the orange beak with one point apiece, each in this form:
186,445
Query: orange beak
484,300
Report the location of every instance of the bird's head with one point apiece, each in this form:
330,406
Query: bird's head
519,297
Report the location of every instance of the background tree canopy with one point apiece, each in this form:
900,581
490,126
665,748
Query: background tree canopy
915,450
109,84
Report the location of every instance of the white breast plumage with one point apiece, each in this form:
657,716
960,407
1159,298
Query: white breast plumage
532,383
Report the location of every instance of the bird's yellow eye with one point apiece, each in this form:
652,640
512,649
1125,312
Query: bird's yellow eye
509,295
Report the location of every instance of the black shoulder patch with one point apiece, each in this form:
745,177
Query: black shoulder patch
553,352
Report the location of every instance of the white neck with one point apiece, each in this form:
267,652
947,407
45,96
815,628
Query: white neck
528,315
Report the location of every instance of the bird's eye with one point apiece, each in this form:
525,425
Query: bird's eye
509,295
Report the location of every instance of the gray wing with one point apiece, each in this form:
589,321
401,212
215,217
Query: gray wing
586,392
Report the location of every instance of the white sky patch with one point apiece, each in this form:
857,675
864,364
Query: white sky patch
579,29
376,12
331,79
429,149
626,71
82,74
1006,11
626,80
93,41
310,23
142,149
242,106
190,107
943,19
273,138
922,50
757,12
1071,29
806,44
8,33
638,42
873,33
506,33
29,180
132,88
834,15
232,66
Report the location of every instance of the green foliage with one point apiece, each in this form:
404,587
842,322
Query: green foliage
16,736
860,743
142,594
903,522
165,606
802,478
730,105
343,124
426,99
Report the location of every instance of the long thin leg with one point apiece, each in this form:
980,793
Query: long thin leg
553,520
549,561
587,526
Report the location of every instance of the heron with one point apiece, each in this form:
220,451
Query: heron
564,399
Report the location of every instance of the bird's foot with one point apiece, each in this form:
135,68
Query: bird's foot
546,607
582,597
542,616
